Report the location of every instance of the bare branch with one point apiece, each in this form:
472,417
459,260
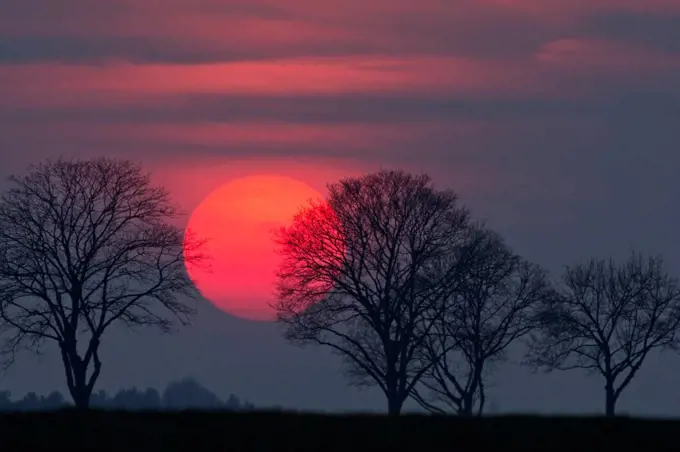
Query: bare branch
607,319
493,305
353,275
85,244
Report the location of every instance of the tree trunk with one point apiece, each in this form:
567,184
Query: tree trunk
79,388
482,398
468,399
394,396
81,397
80,385
467,405
394,404
610,399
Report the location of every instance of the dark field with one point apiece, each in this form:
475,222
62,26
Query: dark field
199,431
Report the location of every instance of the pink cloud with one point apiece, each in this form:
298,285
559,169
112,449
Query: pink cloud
68,85
546,75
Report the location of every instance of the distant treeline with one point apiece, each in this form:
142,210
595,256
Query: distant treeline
178,395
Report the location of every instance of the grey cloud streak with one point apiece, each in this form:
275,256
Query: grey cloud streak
358,108
477,31
148,50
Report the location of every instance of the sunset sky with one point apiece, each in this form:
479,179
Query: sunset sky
558,121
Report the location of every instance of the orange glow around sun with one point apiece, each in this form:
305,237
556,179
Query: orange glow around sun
237,220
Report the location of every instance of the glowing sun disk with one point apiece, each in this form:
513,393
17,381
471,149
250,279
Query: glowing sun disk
237,220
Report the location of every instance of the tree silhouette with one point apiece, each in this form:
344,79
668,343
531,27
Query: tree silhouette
607,319
189,393
5,400
132,399
494,305
86,244
178,395
352,277
54,400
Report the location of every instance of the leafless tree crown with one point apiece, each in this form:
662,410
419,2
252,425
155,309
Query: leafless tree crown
353,274
607,319
494,305
85,244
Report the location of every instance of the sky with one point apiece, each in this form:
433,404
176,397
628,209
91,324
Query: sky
555,120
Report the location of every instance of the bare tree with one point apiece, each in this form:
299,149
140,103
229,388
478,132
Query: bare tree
493,306
85,244
607,319
352,275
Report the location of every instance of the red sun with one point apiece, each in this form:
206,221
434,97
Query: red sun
237,220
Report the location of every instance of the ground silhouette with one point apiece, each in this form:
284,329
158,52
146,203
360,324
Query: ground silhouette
270,431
